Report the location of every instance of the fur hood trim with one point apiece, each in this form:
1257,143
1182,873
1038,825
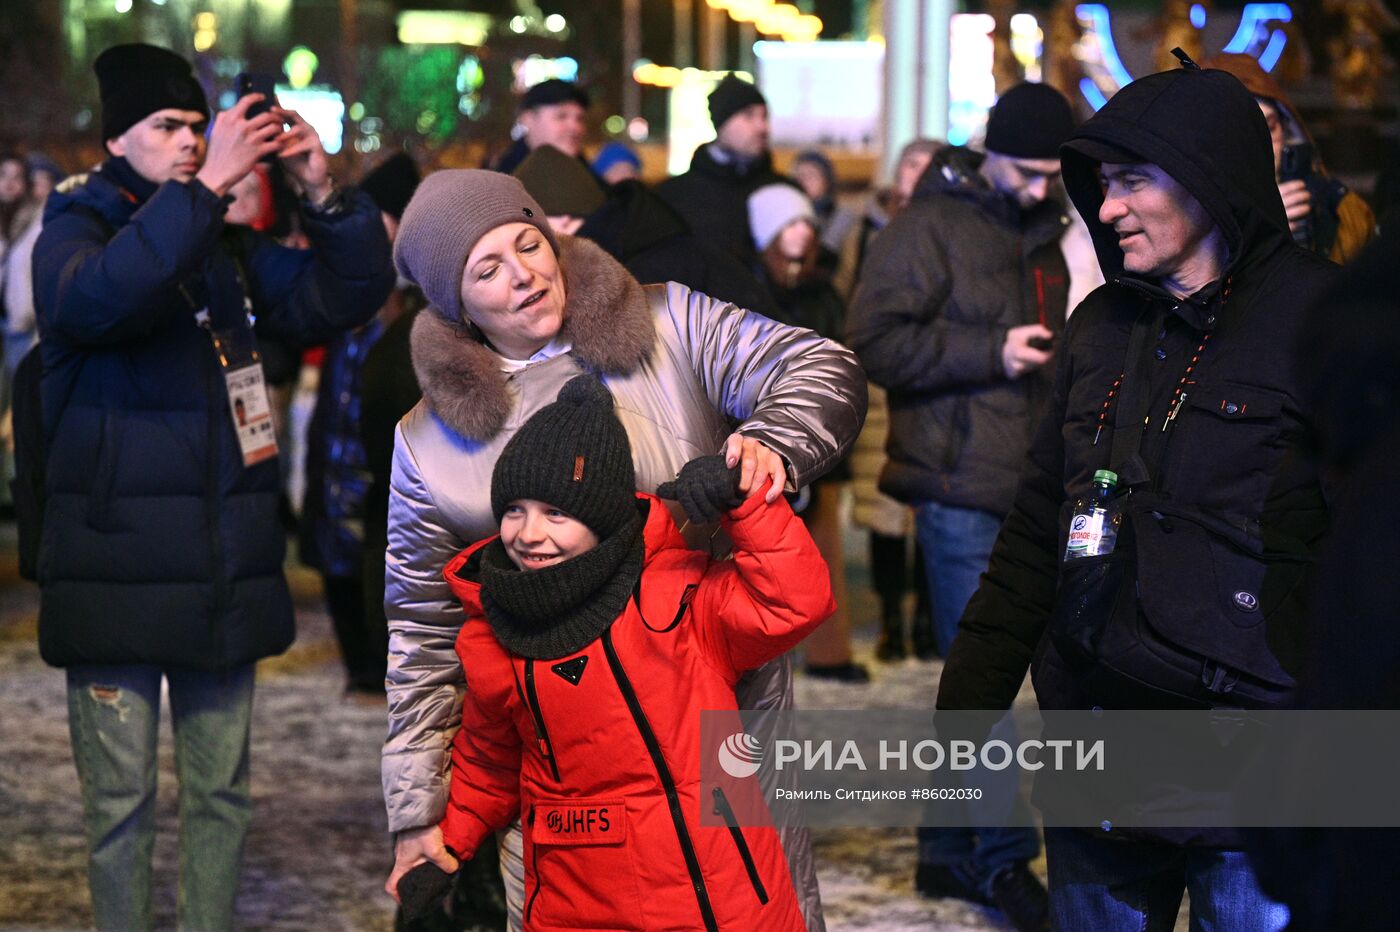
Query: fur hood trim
606,318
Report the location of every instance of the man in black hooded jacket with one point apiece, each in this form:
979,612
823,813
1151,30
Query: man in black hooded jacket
1191,338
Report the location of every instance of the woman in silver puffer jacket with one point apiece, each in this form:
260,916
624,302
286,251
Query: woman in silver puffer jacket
515,314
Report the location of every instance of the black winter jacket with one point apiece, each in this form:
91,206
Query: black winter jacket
713,199
942,283
159,546
1231,460
649,238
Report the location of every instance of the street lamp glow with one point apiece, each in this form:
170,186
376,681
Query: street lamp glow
517,24
747,11
777,19
806,29
123,6
555,23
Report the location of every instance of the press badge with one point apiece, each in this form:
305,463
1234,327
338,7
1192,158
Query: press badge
238,356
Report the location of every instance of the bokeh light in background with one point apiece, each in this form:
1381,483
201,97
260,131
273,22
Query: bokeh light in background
972,89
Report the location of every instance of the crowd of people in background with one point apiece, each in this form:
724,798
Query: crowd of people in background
725,310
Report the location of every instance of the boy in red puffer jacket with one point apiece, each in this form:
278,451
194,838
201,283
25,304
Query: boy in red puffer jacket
594,639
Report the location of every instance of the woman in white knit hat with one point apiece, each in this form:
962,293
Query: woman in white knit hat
515,313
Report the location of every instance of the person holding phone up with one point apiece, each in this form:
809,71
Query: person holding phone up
1323,214
160,554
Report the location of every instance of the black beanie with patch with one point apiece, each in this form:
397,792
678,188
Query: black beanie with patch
137,79
572,454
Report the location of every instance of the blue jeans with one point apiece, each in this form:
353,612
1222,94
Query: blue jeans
957,544
113,719
1109,884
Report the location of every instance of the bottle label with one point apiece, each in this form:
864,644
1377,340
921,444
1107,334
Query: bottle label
1085,533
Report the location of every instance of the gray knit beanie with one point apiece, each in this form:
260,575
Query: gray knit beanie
449,212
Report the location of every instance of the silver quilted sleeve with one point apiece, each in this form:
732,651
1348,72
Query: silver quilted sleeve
425,680
802,395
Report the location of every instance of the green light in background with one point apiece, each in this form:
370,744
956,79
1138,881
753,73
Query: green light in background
615,125
357,111
470,77
300,66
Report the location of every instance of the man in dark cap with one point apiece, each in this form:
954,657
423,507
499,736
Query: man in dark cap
552,113
161,550
960,299
713,197
1178,376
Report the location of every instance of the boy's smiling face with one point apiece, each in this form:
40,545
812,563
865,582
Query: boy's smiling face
537,534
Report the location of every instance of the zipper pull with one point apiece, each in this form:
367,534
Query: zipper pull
1176,409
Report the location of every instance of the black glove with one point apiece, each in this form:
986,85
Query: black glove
706,488
422,890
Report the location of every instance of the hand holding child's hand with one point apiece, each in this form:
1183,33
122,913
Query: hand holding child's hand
422,890
417,846
706,488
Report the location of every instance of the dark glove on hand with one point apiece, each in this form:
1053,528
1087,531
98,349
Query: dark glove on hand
706,488
422,890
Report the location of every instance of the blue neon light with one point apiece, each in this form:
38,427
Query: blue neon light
1253,18
1198,16
1091,93
1270,56
1098,14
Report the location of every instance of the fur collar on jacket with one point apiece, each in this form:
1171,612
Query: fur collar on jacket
606,318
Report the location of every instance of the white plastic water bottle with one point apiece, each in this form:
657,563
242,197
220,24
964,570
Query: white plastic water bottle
1093,526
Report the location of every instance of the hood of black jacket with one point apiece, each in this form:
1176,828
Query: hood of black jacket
954,172
632,221
1204,129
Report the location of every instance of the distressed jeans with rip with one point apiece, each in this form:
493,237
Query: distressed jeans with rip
113,719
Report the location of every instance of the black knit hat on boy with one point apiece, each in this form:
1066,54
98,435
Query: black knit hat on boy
572,454
1030,121
731,95
136,80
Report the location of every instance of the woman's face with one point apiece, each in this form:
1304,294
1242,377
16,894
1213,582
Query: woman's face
513,289
811,178
12,181
795,239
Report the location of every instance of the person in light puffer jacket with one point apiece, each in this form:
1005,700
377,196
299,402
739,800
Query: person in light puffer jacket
515,313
